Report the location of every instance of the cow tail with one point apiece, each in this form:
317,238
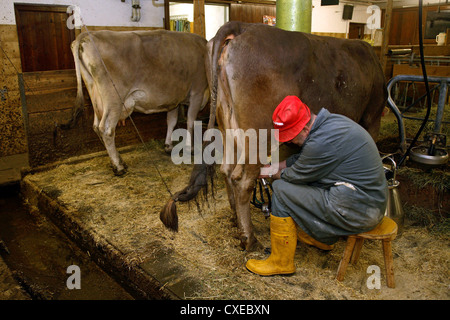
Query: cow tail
79,101
225,34
202,174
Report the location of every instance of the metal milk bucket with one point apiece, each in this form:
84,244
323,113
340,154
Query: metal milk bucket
394,208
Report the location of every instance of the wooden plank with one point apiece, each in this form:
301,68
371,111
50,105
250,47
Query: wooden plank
432,71
56,100
49,81
199,17
428,49
40,7
50,90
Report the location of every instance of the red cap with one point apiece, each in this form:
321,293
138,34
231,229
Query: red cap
290,117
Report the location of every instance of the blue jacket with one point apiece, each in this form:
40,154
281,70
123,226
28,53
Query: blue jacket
336,185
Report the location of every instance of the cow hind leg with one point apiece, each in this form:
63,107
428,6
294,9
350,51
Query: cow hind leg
195,105
226,170
95,127
172,118
243,189
107,129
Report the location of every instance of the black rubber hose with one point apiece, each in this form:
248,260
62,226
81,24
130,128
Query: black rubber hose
425,79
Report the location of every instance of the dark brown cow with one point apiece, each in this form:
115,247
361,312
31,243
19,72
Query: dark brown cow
254,66
144,71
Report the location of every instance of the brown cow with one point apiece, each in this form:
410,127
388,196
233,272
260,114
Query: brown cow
254,66
144,71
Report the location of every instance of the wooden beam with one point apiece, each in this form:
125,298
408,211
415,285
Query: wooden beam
166,15
386,32
199,17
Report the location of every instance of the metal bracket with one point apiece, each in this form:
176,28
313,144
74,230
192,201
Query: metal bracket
2,93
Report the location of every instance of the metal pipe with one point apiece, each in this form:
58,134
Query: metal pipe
294,15
397,113
413,78
441,105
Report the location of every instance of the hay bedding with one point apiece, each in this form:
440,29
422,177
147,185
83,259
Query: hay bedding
125,211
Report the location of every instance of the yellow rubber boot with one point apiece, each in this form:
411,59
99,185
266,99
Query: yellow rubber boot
283,238
306,238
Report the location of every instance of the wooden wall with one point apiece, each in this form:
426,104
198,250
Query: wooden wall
252,13
27,123
12,130
405,25
41,24
49,97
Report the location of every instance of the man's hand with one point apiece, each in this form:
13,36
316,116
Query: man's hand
273,170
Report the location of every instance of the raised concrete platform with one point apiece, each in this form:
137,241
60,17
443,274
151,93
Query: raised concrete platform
116,220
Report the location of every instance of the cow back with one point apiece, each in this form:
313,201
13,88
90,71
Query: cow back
263,64
167,65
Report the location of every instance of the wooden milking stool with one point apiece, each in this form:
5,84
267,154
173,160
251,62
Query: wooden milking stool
386,231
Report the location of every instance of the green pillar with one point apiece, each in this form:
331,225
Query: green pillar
294,15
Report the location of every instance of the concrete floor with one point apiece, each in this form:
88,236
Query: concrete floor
10,167
10,288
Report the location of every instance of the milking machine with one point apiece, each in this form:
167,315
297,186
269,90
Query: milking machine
265,205
432,149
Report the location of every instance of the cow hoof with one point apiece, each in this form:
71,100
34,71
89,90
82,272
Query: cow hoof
168,149
119,173
251,245
122,164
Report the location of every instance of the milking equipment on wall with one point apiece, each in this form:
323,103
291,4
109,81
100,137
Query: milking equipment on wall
135,10
432,151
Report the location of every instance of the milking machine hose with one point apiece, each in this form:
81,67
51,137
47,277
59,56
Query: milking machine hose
266,207
425,78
